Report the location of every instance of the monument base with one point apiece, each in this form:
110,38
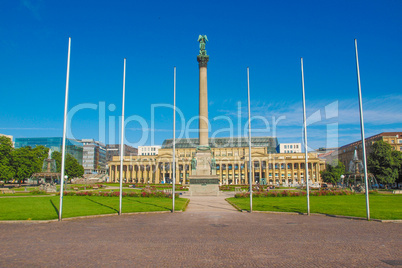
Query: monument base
204,185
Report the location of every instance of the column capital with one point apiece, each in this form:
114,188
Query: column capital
202,60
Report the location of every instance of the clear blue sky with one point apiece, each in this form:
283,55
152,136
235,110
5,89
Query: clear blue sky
267,36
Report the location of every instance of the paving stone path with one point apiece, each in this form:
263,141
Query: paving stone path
210,203
209,234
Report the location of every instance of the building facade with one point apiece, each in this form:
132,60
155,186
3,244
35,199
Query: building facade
148,150
114,150
73,147
330,155
286,148
94,156
346,152
232,163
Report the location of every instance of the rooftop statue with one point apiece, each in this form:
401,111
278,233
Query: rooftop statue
202,39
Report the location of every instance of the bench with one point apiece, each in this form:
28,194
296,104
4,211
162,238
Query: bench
76,188
7,191
397,192
95,188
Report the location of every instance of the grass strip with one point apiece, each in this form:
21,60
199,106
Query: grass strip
383,207
47,207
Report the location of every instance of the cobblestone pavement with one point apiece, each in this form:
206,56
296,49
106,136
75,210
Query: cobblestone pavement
202,237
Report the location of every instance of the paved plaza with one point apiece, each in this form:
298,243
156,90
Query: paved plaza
209,234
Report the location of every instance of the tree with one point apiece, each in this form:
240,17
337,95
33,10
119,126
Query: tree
6,170
27,161
383,163
6,146
23,161
72,168
40,154
333,173
398,159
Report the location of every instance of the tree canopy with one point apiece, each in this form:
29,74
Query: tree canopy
72,168
21,163
384,163
333,172
27,161
6,170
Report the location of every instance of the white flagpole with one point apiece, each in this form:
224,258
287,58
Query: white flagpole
122,138
249,142
362,132
305,142
63,149
174,138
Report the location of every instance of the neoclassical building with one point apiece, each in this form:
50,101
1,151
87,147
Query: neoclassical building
232,163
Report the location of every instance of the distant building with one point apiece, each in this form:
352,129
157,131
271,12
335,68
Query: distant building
231,157
346,152
8,136
94,156
114,150
73,147
330,155
289,148
148,150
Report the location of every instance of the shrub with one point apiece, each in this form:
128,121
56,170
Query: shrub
287,193
124,194
37,192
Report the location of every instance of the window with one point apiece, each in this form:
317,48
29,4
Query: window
264,164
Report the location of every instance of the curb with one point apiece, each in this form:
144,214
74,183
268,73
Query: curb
89,217
186,205
330,215
28,221
233,205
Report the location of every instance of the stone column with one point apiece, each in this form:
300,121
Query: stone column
158,173
111,174
203,101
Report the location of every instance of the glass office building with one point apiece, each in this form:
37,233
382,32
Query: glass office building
73,147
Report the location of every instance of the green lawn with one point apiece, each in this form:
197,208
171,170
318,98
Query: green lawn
46,207
385,207
23,194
